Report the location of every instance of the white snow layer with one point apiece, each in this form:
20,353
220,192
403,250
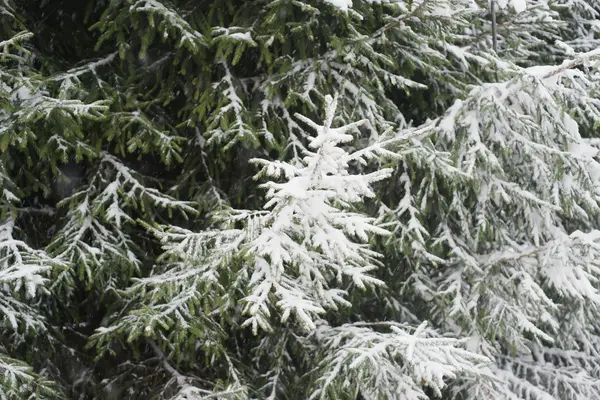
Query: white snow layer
518,5
341,4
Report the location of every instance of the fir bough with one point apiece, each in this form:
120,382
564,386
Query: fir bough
140,258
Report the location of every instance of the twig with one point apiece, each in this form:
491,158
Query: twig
570,64
182,380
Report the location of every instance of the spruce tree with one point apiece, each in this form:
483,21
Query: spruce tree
297,199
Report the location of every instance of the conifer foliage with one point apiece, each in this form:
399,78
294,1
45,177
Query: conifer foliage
299,199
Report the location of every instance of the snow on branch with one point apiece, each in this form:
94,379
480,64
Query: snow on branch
87,244
93,232
292,257
89,67
232,40
517,273
188,391
546,72
306,242
171,23
23,271
19,381
7,189
568,264
125,185
39,107
229,122
21,265
392,364
523,119
14,43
